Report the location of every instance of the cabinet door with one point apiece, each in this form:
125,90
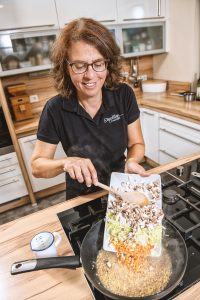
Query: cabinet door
129,10
27,145
22,13
143,38
23,52
149,121
103,11
177,137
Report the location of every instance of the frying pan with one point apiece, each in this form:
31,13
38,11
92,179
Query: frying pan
92,243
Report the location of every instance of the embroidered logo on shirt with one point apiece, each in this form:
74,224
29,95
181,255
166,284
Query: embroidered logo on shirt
113,118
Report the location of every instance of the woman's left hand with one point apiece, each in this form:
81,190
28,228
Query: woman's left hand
133,167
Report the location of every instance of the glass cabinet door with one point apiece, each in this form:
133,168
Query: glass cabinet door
143,39
25,52
115,30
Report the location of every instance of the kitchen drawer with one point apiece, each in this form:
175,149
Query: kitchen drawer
12,188
27,145
176,146
8,160
188,130
9,172
165,157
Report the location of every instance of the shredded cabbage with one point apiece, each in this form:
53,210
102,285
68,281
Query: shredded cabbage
120,231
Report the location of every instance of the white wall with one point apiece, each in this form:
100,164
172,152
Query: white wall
181,63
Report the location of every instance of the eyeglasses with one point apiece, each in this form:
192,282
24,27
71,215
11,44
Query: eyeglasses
80,67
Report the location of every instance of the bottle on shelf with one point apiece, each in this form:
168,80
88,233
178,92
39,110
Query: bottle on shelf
198,90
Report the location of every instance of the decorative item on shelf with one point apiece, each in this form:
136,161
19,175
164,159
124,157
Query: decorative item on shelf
35,55
19,102
11,62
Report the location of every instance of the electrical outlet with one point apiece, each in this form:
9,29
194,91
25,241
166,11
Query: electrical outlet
142,77
33,98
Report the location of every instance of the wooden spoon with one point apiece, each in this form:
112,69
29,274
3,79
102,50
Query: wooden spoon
135,197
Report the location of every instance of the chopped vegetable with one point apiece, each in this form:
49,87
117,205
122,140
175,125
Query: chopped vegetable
132,258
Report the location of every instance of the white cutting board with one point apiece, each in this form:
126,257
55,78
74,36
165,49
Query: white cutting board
120,181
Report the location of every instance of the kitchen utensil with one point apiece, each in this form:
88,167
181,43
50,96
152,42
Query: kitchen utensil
180,94
189,96
172,241
196,174
154,86
44,244
11,62
130,197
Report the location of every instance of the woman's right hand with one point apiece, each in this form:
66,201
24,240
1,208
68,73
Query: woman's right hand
81,169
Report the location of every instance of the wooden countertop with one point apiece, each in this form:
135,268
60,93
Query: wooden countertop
174,105
53,283
162,102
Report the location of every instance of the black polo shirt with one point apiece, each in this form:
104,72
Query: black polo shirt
103,138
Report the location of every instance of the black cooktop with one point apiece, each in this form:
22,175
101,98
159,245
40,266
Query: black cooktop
181,206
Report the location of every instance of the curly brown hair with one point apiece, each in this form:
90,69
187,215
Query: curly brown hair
91,32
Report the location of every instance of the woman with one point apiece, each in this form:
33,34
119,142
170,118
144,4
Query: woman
95,117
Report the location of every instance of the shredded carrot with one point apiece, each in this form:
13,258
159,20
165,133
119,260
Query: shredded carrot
132,258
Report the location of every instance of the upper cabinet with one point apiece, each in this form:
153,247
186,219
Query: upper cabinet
17,14
29,28
145,38
103,11
26,51
130,10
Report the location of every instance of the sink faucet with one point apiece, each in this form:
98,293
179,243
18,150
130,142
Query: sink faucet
134,76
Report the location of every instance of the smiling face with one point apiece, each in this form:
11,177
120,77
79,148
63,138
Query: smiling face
88,84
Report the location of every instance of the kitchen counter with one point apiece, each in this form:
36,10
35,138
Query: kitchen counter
53,283
162,102
173,105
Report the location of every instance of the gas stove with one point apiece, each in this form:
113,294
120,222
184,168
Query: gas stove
181,206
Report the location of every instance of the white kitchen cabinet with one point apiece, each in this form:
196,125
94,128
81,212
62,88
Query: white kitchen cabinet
130,10
177,138
12,185
27,145
149,122
142,38
22,52
8,160
168,138
103,11
16,14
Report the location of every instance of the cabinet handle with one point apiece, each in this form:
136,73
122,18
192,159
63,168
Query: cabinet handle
106,21
102,21
184,138
10,170
13,181
164,151
139,19
25,28
148,113
159,8
6,159
30,141
176,122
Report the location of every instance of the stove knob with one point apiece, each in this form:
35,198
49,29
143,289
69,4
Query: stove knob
180,170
